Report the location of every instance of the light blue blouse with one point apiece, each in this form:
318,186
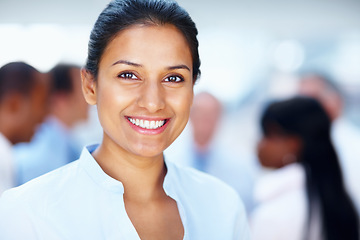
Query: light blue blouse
80,201
51,147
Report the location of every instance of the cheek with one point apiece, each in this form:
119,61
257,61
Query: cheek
112,100
261,150
112,96
269,153
181,103
28,120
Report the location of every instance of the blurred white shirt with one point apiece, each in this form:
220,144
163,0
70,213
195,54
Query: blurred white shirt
346,139
281,213
7,178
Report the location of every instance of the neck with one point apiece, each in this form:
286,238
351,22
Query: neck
141,177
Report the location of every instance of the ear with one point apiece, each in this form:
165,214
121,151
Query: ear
14,102
88,86
295,144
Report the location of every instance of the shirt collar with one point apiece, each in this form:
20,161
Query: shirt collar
170,183
95,172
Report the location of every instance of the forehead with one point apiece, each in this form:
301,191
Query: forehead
311,85
158,42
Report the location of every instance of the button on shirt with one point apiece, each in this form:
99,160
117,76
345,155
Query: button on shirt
80,201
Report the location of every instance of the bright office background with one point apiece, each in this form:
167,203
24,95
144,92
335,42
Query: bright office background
250,50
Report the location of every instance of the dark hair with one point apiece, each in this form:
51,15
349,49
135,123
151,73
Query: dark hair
121,14
17,77
61,79
304,117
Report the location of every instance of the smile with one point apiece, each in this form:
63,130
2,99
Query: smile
147,124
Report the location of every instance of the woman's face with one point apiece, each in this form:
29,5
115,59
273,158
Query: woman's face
278,150
144,89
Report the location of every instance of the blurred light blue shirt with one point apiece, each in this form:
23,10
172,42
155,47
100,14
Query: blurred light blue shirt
237,170
80,201
51,147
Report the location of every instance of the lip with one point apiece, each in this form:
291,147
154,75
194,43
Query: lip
145,130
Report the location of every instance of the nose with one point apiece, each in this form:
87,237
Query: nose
152,97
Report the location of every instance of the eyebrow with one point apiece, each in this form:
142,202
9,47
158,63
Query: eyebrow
127,63
181,66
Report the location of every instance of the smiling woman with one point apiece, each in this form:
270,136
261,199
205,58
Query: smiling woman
142,64
152,82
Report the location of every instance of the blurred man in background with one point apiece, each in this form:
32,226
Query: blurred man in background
345,135
206,153
23,94
53,146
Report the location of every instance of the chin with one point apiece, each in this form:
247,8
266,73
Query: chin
28,138
149,152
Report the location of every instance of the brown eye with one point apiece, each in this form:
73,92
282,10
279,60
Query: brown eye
174,79
127,75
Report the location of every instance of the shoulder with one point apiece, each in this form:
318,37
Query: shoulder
277,194
209,201
197,178
204,187
24,208
20,206
280,212
38,191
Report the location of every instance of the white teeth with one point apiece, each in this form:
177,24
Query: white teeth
146,123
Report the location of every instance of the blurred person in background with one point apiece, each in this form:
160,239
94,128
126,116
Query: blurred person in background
304,196
345,135
23,92
53,146
205,152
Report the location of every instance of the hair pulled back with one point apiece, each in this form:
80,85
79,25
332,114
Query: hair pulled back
122,14
305,118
